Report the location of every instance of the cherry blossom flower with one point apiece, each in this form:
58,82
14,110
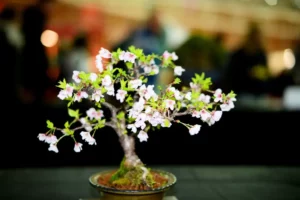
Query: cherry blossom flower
218,95
195,129
93,77
77,147
127,56
194,86
204,98
167,55
86,125
88,138
135,83
169,104
99,64
92,113
188,96
227,106
68,92
80,95
140,120
178,70
147,92
110,90
228,103
51,139
130,57
196,114
53,147
156,119
42,137
104,53
121,94
132,127
143,136
75,76
98,114
106,81
204,114
97,95
215,116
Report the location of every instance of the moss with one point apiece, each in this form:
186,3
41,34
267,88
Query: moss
131,176
121,181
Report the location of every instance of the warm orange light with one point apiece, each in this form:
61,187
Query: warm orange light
49,38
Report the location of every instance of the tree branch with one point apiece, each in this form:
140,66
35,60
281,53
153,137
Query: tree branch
112,109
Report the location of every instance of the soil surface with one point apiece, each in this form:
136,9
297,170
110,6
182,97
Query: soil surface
159,182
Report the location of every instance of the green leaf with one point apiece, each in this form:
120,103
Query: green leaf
203,82
121,115
68,131
232,94
129,100
49,124
178,105
129,65
73,113
67,125
177,81
145,80
123,84
167,123
62,84
70,103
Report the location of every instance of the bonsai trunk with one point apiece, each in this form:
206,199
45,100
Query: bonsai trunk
128,145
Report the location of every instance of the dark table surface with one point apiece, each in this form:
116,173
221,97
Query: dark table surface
194,182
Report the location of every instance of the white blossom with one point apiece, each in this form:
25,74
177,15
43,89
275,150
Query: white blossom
169,104
121,94
104,53
97,95
110,90
195,129
93,77
106,81
80,95
218,95
204,98
99,64
77,147
75,76
53,147
178,70
135,83
188,96
143,136
132,127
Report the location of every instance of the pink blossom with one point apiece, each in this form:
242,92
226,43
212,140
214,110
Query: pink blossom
104,53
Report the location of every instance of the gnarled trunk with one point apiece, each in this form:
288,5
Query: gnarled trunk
128,145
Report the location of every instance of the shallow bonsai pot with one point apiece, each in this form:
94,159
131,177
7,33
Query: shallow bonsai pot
108,193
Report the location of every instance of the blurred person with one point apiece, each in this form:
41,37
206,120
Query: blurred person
77,57
10,44
296,69
34,57
200,54
151,37
247,71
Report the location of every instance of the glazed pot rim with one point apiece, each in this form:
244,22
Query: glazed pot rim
94,182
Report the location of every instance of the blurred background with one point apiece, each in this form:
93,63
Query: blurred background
249,46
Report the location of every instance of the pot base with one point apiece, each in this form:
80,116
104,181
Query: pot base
108,193
164,198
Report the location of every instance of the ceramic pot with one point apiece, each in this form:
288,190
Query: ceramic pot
115,194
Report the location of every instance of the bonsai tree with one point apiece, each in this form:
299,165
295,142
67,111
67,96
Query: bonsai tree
141,106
